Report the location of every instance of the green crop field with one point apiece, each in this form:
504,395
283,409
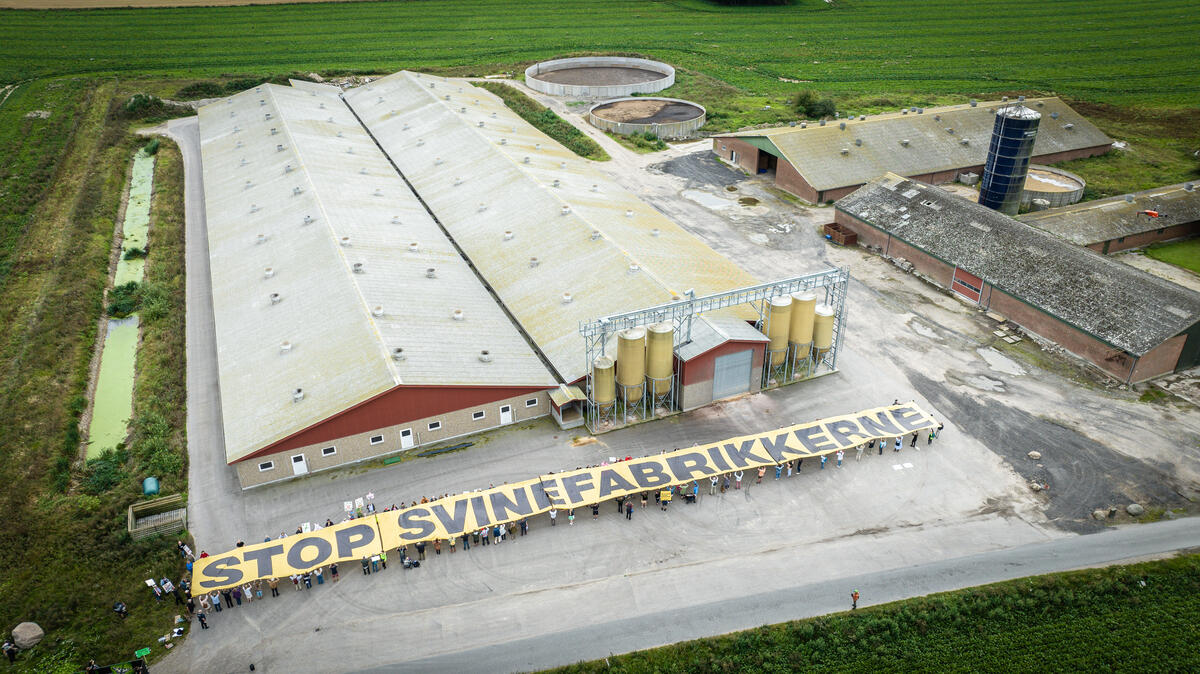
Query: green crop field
1138,618
1102,50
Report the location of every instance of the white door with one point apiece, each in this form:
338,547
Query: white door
299,466
731,374
505,414
406,438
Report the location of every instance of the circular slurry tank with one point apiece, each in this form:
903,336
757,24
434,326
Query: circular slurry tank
599,76
663,117
1056,186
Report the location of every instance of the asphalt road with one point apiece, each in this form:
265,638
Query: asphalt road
780,604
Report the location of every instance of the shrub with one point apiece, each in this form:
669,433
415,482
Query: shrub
106,471
151,147
807,104
124,300
135,253
200,90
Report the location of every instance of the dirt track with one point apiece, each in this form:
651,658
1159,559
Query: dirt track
100,4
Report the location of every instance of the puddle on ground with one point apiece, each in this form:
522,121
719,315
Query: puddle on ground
707,200
760,239
136,227
114,387
1000,362
924,330
985,383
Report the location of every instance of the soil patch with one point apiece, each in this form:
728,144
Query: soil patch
599,76
649,111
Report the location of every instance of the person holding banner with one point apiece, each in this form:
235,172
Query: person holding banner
738,480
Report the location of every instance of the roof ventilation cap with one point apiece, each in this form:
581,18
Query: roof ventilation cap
362,171
1068,126
437,161
243,163
1004,99
565,210
239,143
595,234
566,298
377,311
420,142
950,130
482,207
398,354
447,97
340,134
297,395
920,111
904,142
485,356
285,346
379,100
1188,187
537,146
249,183
414,247
236,128
628,213
858,142
475,102
357,267
349,150
462,109
904,112
345,241
296,191
268,272
287,168
822,122
533,262
633,268
261,238
307,220
504,141
481,123
1054,115
458,315
458,181
803,125
845,151
974,102
1020,99
964,141
556,182
279,148
431,272
253,208
322,106
841,125
508,235
791,124
275,298
655,232
406,127
525,160
595,187
1129,198
562,164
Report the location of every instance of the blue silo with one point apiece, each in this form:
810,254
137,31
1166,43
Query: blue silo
1008,158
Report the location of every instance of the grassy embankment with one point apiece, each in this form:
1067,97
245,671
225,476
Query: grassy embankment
1138,618
65,553
547,122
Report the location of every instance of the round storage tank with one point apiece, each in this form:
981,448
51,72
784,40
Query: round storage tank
1056,186
663,117
779,322
1009,150
631,362
599,77
660,356
823,329
604,384
800,334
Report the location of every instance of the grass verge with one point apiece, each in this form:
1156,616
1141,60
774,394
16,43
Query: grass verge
547,122
65,553
1139,617
1184,253
639,143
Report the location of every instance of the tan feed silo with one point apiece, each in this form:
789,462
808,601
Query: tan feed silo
631,362
823,329
779,323
604,384
660,356
804,305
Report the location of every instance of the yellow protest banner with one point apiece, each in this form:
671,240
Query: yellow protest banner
463,513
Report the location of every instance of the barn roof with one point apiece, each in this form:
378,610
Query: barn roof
915,143
1115,303
1091,222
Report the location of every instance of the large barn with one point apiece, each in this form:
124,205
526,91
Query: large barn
1130,324
410,261
1127,221
822,162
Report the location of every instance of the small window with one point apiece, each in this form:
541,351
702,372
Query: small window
435,425
329,451
532,402
376,439
477,416
265,466
1121,240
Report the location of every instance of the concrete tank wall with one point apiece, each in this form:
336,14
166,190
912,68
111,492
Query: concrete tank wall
602,91
684,129
1055,198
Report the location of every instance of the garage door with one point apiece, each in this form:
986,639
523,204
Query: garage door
731,374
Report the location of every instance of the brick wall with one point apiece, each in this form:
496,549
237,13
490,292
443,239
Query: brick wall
1147,238
747,153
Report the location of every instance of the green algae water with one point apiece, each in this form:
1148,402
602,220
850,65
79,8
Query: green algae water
113,401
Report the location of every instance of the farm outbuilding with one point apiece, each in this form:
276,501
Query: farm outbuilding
410,261
825,161
1128,323
1127,221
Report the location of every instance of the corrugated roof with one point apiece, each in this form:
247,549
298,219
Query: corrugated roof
1116,303
465,152
1092,222
934,141
709,332
273,157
